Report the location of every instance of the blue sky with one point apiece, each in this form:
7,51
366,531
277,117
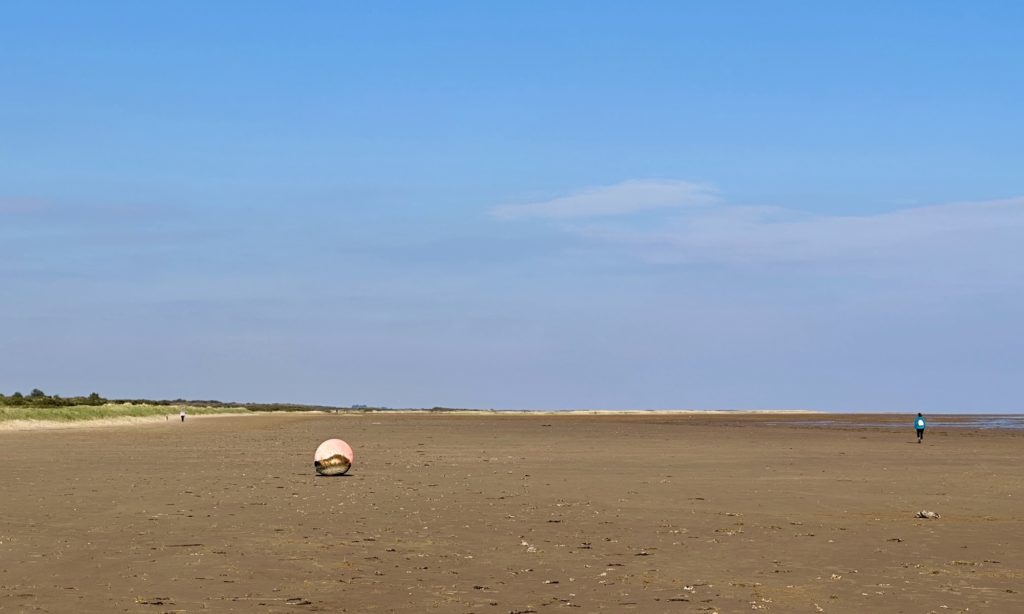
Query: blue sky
509,205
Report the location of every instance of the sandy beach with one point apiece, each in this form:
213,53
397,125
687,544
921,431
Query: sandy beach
512,514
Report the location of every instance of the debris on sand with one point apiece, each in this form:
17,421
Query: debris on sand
926,514
333,457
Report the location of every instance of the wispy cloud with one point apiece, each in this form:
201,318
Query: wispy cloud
68,213
21,205
720,232
729,233
620,199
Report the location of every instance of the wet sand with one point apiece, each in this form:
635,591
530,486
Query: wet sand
489,513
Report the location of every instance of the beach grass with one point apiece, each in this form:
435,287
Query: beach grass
76,413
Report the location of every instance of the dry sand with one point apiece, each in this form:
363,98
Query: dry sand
491,513
63,425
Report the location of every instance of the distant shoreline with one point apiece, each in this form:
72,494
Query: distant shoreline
85,420
51,425
8,423
786,416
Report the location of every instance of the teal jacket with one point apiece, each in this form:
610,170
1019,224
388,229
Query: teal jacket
920,423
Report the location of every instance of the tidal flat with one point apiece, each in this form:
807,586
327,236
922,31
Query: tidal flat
513,513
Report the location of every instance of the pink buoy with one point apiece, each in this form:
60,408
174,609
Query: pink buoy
333,457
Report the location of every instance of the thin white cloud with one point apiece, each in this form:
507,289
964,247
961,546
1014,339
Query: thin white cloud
22,205
685,222
620,199
731,233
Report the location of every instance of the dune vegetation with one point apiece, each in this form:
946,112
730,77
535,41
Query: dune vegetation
37,405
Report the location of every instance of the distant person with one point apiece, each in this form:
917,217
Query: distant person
182,414
919,425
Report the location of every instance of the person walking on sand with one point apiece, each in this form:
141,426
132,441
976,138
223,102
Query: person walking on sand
182,414
919,425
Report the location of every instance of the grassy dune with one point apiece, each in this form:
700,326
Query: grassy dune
110,410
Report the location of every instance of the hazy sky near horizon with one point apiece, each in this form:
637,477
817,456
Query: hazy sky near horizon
557,205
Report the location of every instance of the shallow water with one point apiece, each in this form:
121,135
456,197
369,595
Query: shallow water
1010,421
